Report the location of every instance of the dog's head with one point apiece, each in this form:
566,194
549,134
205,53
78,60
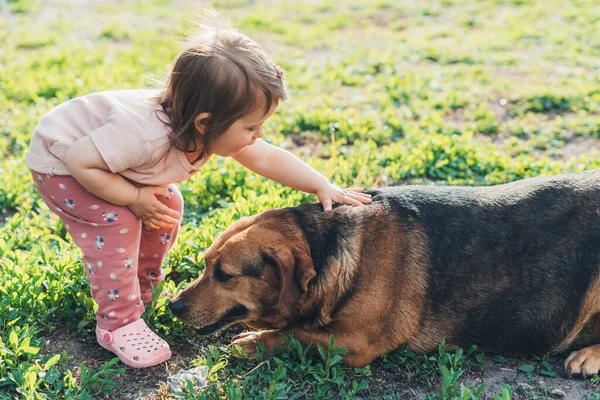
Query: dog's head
257,272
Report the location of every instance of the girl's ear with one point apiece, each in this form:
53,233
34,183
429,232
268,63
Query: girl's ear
200,122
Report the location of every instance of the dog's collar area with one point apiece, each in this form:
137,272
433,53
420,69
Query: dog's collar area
234,314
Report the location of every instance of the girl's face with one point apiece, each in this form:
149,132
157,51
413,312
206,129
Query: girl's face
243,132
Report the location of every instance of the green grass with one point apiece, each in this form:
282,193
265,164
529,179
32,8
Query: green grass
390,92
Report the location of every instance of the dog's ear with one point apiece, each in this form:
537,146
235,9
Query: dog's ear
296,270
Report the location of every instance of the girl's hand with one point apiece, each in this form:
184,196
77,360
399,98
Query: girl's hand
329,193
153,213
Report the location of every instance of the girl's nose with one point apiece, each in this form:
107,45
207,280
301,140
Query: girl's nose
259,134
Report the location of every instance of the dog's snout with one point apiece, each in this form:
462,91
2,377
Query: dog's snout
177,307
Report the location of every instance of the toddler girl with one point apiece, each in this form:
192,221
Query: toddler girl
105,163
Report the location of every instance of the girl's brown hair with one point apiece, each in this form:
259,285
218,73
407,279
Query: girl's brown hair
222,72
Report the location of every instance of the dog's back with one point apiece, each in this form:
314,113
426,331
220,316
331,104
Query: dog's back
510,266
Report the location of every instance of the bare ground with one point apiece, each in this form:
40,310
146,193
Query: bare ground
150,383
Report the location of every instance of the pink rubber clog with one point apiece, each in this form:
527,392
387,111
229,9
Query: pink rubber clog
135,344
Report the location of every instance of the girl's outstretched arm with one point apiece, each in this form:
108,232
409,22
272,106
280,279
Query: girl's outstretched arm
284,167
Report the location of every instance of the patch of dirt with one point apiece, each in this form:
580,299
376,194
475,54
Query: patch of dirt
501,111
574,147
495,375
135,384
580,145
513,74
150,383
303,144
417,385
323,55
4,216
455,117
381,19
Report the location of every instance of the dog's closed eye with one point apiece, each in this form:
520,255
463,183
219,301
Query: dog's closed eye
220,275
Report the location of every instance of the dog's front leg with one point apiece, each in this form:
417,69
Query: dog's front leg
247,341
359,352
585,362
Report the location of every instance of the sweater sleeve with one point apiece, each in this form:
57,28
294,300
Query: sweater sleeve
122,142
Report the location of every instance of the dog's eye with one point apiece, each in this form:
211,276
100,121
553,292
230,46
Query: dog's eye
222,276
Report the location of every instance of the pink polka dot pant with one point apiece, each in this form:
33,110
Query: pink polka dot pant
122,260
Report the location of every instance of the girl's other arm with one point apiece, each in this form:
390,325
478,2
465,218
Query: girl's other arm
89,169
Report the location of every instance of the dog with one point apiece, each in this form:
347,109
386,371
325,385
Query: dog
511,268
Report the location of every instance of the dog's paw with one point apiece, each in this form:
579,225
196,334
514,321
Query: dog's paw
247,342
585,362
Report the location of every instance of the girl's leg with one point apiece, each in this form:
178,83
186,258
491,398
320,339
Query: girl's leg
109,237
155,244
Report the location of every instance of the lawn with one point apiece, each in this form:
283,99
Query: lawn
448,92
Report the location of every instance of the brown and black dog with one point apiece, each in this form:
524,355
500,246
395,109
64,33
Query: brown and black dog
511,268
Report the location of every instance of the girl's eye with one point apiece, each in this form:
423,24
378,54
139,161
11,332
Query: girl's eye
253,129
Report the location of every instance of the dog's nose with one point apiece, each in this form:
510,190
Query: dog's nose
177,307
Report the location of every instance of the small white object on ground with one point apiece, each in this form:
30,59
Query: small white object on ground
196,375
